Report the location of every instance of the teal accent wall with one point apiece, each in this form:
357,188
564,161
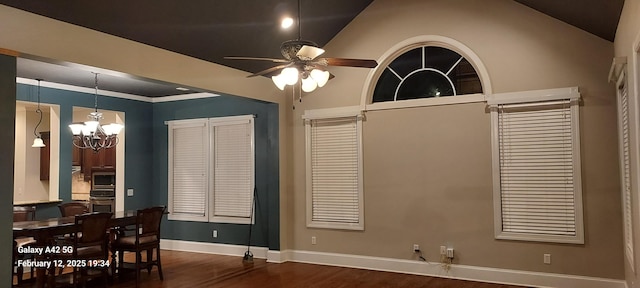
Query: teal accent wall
265,231
138,146
7,152
146,157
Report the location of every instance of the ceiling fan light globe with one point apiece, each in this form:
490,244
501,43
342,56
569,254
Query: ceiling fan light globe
308,84
290,75
279,81
320,76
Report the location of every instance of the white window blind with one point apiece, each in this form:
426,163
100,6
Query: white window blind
537,164
625,165
188,170
334,177
233,172
211,169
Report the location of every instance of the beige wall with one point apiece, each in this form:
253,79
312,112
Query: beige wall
427,171
627,39
27,185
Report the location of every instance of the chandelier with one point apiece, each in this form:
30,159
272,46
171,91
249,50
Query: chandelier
91,134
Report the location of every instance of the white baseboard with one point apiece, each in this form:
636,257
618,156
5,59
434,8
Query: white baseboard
462,272
212,248
435,269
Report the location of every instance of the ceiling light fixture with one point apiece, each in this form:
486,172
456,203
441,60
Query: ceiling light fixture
92,135
286,22
308,76
37,142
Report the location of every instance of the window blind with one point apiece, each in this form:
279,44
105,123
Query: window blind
334,170
537,168
233,169
189,169
625,166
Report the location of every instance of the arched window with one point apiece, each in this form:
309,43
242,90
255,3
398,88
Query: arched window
426,71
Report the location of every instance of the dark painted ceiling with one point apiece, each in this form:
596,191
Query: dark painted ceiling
212,29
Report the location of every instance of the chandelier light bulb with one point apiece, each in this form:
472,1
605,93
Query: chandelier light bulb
320,76
76,128
91,126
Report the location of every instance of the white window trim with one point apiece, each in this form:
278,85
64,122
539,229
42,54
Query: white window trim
626,195
208,124
571,94
424,40
309,115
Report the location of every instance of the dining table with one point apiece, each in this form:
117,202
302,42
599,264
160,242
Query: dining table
44,232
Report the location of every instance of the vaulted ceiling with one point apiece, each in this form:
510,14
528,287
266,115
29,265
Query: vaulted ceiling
212,29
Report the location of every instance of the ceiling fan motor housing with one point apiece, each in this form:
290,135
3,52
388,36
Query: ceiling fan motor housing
289,49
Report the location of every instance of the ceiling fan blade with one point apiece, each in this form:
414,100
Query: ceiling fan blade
308,53
363,63
267,71
256,58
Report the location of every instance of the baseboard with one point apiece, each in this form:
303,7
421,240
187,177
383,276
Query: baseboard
212,248
462,272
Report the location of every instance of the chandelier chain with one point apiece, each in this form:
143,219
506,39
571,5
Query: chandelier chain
95,103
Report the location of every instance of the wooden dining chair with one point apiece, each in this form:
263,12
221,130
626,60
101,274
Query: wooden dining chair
22,213
144,237
70,209
73,208
90,243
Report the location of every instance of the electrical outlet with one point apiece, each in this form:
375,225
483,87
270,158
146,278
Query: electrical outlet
416,247
443,250
450,253
215,233
547,259
130,192
313,240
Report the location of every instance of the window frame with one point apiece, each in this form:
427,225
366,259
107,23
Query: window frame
625,162
529,97
209,125
328,114
221,121
424,40
177,124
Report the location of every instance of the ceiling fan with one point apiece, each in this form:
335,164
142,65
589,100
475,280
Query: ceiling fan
302,63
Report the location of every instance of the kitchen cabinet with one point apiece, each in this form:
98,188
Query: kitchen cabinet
103,159
76,156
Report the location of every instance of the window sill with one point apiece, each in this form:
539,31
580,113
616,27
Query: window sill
448,100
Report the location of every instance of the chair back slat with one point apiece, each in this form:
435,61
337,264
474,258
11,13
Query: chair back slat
73,208
149,221
24,213
93,227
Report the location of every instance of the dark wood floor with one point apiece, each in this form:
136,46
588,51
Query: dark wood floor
184,269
